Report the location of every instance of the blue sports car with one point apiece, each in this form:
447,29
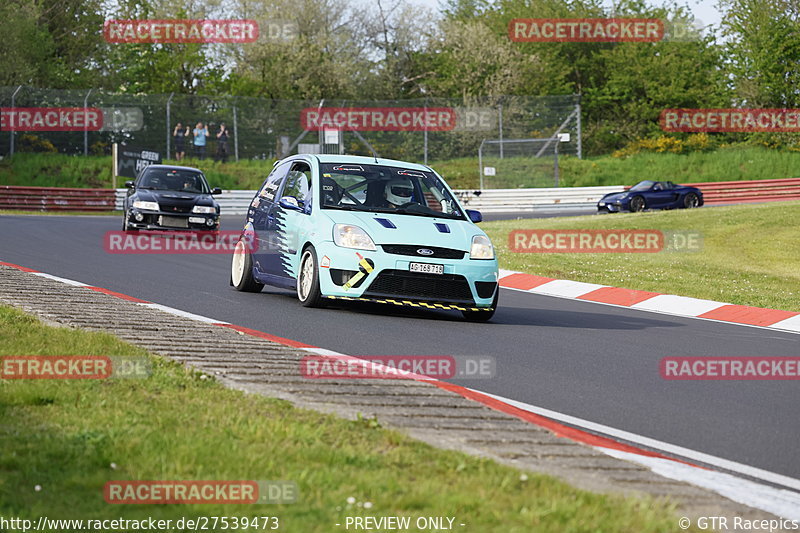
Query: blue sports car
651,195
361,228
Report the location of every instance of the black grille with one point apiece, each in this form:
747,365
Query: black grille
411,249
485,289
340,277
174,208
433,287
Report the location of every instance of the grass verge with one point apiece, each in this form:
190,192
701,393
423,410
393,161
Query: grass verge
174,425
750,254
731,163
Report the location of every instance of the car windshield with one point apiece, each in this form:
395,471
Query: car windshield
385,189
170,179
643,186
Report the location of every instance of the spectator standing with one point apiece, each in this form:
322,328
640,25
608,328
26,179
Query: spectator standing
179,134
222,143
200,135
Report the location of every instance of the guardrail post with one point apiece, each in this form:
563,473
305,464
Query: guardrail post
13,131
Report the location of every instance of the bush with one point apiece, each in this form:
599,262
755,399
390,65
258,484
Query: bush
32,143
699,142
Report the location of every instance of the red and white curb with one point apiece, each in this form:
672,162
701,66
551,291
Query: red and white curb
781,502
652,301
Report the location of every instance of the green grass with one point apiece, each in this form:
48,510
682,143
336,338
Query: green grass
174,425
750,254
731,163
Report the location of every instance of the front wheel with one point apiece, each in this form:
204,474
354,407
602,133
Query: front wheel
691,200
637,204
308,279
242,270
483,316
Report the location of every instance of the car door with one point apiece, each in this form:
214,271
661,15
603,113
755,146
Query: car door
659,195
293,224
265,255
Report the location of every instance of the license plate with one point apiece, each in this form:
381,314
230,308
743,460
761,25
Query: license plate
173,222
426,268
197,220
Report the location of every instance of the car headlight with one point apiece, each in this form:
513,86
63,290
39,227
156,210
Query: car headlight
481,248
147,206
204,209
349,236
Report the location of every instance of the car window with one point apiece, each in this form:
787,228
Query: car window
273,182
171,179
658,187
642,186
298,184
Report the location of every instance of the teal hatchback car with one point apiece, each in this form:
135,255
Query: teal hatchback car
368,229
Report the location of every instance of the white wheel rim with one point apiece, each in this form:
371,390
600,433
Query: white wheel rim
306,276
237,263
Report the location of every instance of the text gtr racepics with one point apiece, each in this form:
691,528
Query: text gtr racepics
368,229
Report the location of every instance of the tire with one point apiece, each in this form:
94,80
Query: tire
483,316
308,291
691,200
125,226
242,270
637,204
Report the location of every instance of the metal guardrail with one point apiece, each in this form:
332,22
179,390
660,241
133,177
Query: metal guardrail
56,199
236,202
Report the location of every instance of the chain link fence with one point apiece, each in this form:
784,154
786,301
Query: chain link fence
418,130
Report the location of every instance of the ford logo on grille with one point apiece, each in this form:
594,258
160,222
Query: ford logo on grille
424,251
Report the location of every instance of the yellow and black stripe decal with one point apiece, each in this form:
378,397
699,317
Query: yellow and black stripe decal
365,267
409,303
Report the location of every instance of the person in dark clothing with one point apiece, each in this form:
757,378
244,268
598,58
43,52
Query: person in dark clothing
180,134
222,143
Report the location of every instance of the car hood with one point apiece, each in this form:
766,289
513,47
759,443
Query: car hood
613,196
410,229
175,198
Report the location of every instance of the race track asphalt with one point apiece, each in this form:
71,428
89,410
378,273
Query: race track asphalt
591,361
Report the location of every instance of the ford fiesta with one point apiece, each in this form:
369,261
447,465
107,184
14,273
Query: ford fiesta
367,229
166,197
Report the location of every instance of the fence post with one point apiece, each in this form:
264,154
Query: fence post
500,121
556,161
580,137
480,162
169,124
425,133
13,131
235,136
85,125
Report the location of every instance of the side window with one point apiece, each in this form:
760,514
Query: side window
273,183
298,184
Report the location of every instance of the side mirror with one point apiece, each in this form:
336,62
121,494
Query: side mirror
129,184
290,202
474,215
216,190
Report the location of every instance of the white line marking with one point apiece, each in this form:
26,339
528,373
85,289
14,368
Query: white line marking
780,502
680,451
183,314
62,280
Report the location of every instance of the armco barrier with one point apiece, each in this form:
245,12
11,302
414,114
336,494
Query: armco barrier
236,202
56,199
738,192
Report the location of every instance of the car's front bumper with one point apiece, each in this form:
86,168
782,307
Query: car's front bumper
386,278
610,207
168,221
